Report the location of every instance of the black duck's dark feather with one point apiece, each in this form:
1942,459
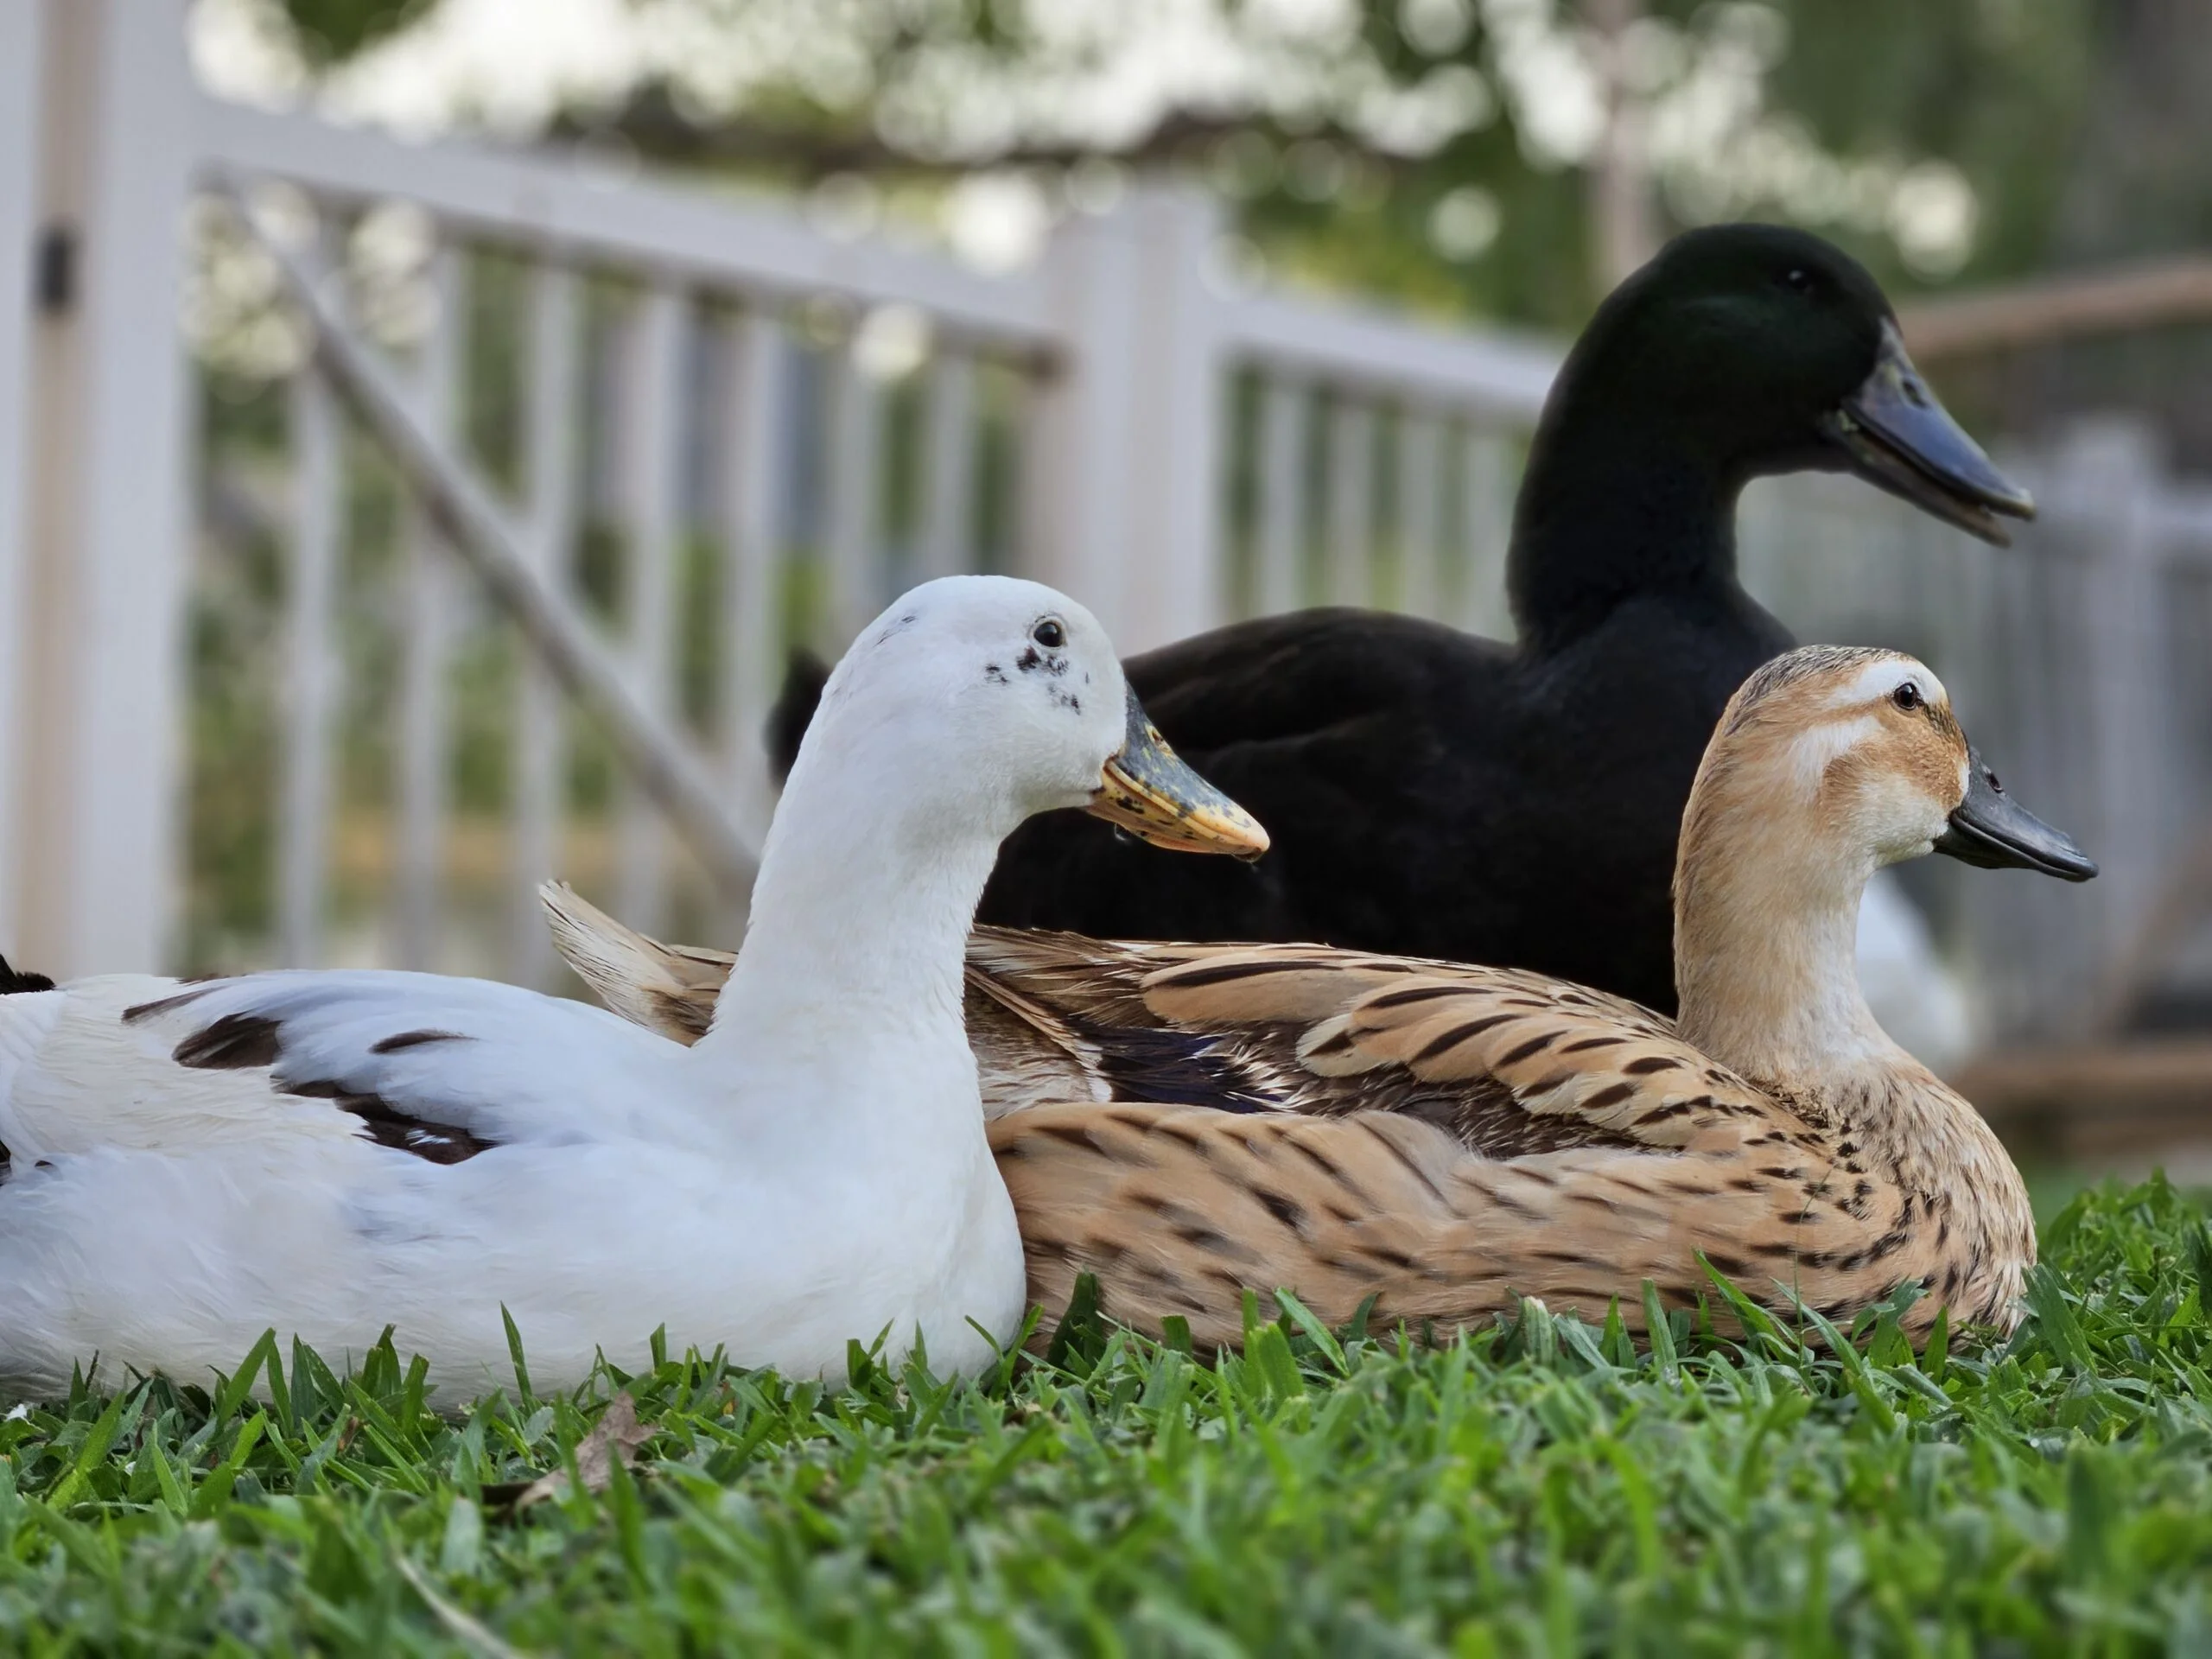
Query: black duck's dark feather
1433,794
804,675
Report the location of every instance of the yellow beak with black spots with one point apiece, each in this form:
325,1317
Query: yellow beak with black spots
1150,793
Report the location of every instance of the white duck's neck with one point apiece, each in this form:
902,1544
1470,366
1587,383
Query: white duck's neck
1766,959
847,992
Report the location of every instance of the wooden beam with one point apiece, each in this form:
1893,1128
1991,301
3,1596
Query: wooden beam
2061,307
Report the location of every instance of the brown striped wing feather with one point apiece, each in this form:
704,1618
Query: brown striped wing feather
1443,1138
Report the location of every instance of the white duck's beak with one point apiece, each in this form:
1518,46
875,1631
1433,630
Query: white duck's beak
1148,791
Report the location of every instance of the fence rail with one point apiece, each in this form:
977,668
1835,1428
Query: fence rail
262,711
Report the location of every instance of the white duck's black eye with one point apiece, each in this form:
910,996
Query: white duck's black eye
1907,697
1050,633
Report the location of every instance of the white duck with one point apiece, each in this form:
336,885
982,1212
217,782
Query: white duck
328,1154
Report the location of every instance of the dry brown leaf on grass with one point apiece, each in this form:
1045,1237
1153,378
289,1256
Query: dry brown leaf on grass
616,1434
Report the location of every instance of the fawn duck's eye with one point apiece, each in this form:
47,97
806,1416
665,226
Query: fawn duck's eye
1907,697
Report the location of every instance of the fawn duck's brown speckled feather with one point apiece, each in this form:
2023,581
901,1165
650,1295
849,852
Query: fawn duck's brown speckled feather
1185,1122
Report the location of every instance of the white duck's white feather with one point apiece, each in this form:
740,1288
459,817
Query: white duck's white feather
191,1165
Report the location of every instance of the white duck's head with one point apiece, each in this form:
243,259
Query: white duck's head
980,701
972,704
1828,763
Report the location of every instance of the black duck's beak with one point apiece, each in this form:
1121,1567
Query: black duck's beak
1899,437
1148,791
1991,830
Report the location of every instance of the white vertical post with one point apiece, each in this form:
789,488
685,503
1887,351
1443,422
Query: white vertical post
2106,479
752,386
22,57
1351,503
852,477
1417,445
652,480
425,643
541,754
1280,529
949,466
111,504
1121,495
310,674
1485,528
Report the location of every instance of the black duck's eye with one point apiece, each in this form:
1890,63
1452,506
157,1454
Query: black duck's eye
1907,697
1050,633
1798,280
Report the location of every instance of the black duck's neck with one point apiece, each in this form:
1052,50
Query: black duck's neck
1617,502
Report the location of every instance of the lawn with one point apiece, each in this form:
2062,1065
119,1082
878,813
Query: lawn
1539,1487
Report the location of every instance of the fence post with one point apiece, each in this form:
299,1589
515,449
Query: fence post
2106,477
1121,491
22,59
108,549
2103,484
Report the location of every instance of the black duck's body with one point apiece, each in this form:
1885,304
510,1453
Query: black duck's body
1431,793
1438,796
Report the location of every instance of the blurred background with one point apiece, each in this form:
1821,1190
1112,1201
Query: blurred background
726,320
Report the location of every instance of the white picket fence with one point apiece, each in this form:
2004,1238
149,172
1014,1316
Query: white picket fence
2080,661
257,711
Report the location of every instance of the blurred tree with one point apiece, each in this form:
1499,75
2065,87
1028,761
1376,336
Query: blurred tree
331,31
1440,151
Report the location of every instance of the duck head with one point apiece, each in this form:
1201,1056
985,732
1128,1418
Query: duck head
1847,757
1775,352
987,700
1830,763
1863,743
972,704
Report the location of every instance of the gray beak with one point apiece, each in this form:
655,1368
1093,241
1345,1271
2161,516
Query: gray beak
1993,832
1898,437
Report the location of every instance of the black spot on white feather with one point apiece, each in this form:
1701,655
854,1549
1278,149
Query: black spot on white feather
893,629
416,1039
994,674
236,1042
388,1125
145,1011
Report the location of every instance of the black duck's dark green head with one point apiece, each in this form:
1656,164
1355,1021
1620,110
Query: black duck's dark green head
1764,349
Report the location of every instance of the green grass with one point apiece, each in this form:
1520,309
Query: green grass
1537,1489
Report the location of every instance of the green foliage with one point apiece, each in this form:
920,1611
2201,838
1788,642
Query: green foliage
1540,1488
2002,90
1999,88
330,31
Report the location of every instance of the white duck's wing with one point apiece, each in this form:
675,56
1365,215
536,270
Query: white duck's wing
438,1067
